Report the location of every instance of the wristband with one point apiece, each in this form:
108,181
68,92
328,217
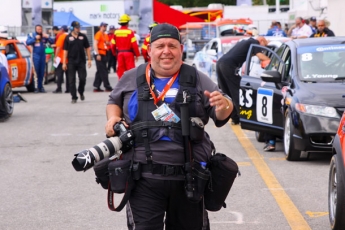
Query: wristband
228,106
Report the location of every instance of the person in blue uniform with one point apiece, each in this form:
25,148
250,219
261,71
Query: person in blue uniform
38,40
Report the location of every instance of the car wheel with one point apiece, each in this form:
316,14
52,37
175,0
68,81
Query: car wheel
260,136
31,87
336,195
291,153
7,102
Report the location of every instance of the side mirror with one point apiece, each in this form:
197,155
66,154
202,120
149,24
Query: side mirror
211,52
271,76
11,56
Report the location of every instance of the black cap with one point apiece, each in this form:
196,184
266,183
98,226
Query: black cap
313,19
64,28
104,24
164,30
75,24
55,28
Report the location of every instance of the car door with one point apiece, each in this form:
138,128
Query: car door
260,102
15,65
26,67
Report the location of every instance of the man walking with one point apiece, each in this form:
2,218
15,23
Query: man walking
74,50
38,40
111,52
59,55
100,46
126,46
228,64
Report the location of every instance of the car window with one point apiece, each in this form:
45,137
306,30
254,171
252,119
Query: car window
321,63
287,59
226,47
274,64
214,46
23,50
10,49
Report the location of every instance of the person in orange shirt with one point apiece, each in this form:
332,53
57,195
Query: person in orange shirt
59,53
100,46
146,42
126,46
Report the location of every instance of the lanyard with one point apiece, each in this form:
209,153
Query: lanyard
166,88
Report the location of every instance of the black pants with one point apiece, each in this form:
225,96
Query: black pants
229,83
112,61
102,73
59,74
151,199
72,69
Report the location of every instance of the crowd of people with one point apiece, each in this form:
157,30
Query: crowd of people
113,49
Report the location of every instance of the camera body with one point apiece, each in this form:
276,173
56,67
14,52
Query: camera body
111,147
126,136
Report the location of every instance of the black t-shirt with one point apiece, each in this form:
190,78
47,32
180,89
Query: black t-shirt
76,48
326,33
238,54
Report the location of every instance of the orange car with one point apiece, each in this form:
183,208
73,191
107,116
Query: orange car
19,63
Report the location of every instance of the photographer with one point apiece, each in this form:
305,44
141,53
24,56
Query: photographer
138,97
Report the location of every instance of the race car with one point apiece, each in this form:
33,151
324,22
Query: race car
299,96
6,94
49,72
205,60
19,63
336,182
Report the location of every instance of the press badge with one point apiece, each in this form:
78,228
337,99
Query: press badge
171,116
160,112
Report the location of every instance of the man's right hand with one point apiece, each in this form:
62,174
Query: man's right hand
136,59
64,67
98,57
109,127
38,36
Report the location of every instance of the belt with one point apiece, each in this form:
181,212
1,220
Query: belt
119,51
165,170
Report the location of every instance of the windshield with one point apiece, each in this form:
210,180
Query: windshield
239,27
321,63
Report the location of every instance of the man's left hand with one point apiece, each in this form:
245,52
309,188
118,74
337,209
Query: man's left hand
89,63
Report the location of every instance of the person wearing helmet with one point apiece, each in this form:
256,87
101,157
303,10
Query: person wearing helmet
146,42
126,46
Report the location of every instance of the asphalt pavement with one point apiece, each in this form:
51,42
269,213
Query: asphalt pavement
41,190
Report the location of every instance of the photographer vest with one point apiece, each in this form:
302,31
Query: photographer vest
144,126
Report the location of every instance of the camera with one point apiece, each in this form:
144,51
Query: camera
112,147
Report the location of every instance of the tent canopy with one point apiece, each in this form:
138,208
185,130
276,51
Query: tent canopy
66,18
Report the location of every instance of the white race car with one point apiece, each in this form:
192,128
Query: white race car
205,60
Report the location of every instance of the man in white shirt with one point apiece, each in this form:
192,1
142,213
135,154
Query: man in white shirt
300,29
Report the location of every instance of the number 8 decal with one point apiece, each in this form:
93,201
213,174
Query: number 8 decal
264,105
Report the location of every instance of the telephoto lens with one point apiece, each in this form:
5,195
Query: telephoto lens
85,159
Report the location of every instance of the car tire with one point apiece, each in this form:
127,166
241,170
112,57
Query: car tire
7,102
289,149
31,87
260,136
336,195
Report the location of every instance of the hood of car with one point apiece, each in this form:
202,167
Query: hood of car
330,94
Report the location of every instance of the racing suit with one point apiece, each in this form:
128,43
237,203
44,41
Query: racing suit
126,47
144,48
39,55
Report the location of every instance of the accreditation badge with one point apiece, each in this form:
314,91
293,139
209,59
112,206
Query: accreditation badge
171,116
160,112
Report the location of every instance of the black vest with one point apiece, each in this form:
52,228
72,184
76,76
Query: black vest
145,126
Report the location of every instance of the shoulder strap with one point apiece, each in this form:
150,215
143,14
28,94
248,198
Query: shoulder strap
188,76
125,198
141,75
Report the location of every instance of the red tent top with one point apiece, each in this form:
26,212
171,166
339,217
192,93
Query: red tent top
165,14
